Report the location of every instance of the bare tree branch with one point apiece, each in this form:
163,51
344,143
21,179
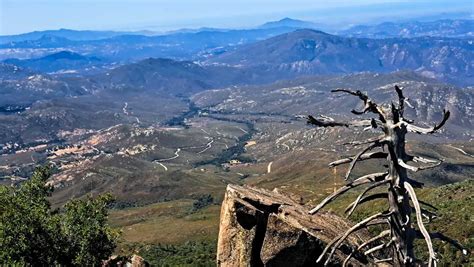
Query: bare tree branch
425,160
350,209
419,130
427,204
346,261
369,104
374,177
419,220
383,260
325,121
378,222
415,169
353,205
373,239
373,125
401,100
372,155
379,247
338,240
406,166
427,214
368,141
357,157
414,183
444,238
395,114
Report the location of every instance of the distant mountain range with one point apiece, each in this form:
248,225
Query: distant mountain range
286,56
216,58
181,45
440,28
73,35
65,61
186,44
436,26
315,52
90,35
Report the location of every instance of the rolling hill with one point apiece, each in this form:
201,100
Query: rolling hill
311,95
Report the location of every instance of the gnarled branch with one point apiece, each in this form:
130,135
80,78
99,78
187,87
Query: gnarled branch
372,155
383,260
414,183
361,199
379,247
406,166
346,261
419,130
373,125
381,235
419,221
427,204
368,141
401,100
325,121
338,240
353,205
369,105
374,177
440,236
401,163
373,239
425,160
357,157
426,213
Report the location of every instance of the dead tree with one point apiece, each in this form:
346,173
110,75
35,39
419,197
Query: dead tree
397,240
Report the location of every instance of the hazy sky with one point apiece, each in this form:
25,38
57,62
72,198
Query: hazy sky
18,16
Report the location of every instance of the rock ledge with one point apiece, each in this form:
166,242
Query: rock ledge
265,228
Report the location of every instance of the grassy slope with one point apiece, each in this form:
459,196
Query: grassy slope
167,223
169,233
171,223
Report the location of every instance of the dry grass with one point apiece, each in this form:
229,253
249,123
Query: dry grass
166,223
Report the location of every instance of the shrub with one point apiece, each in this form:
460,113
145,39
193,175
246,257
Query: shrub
31,233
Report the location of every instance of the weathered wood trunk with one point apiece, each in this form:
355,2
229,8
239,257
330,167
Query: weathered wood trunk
400,236
399,202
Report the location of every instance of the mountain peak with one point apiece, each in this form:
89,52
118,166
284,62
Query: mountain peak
65,55
287,19
52,38
289,22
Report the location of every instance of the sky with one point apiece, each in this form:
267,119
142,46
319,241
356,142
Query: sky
20,16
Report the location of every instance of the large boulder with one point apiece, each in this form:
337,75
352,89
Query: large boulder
265,228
